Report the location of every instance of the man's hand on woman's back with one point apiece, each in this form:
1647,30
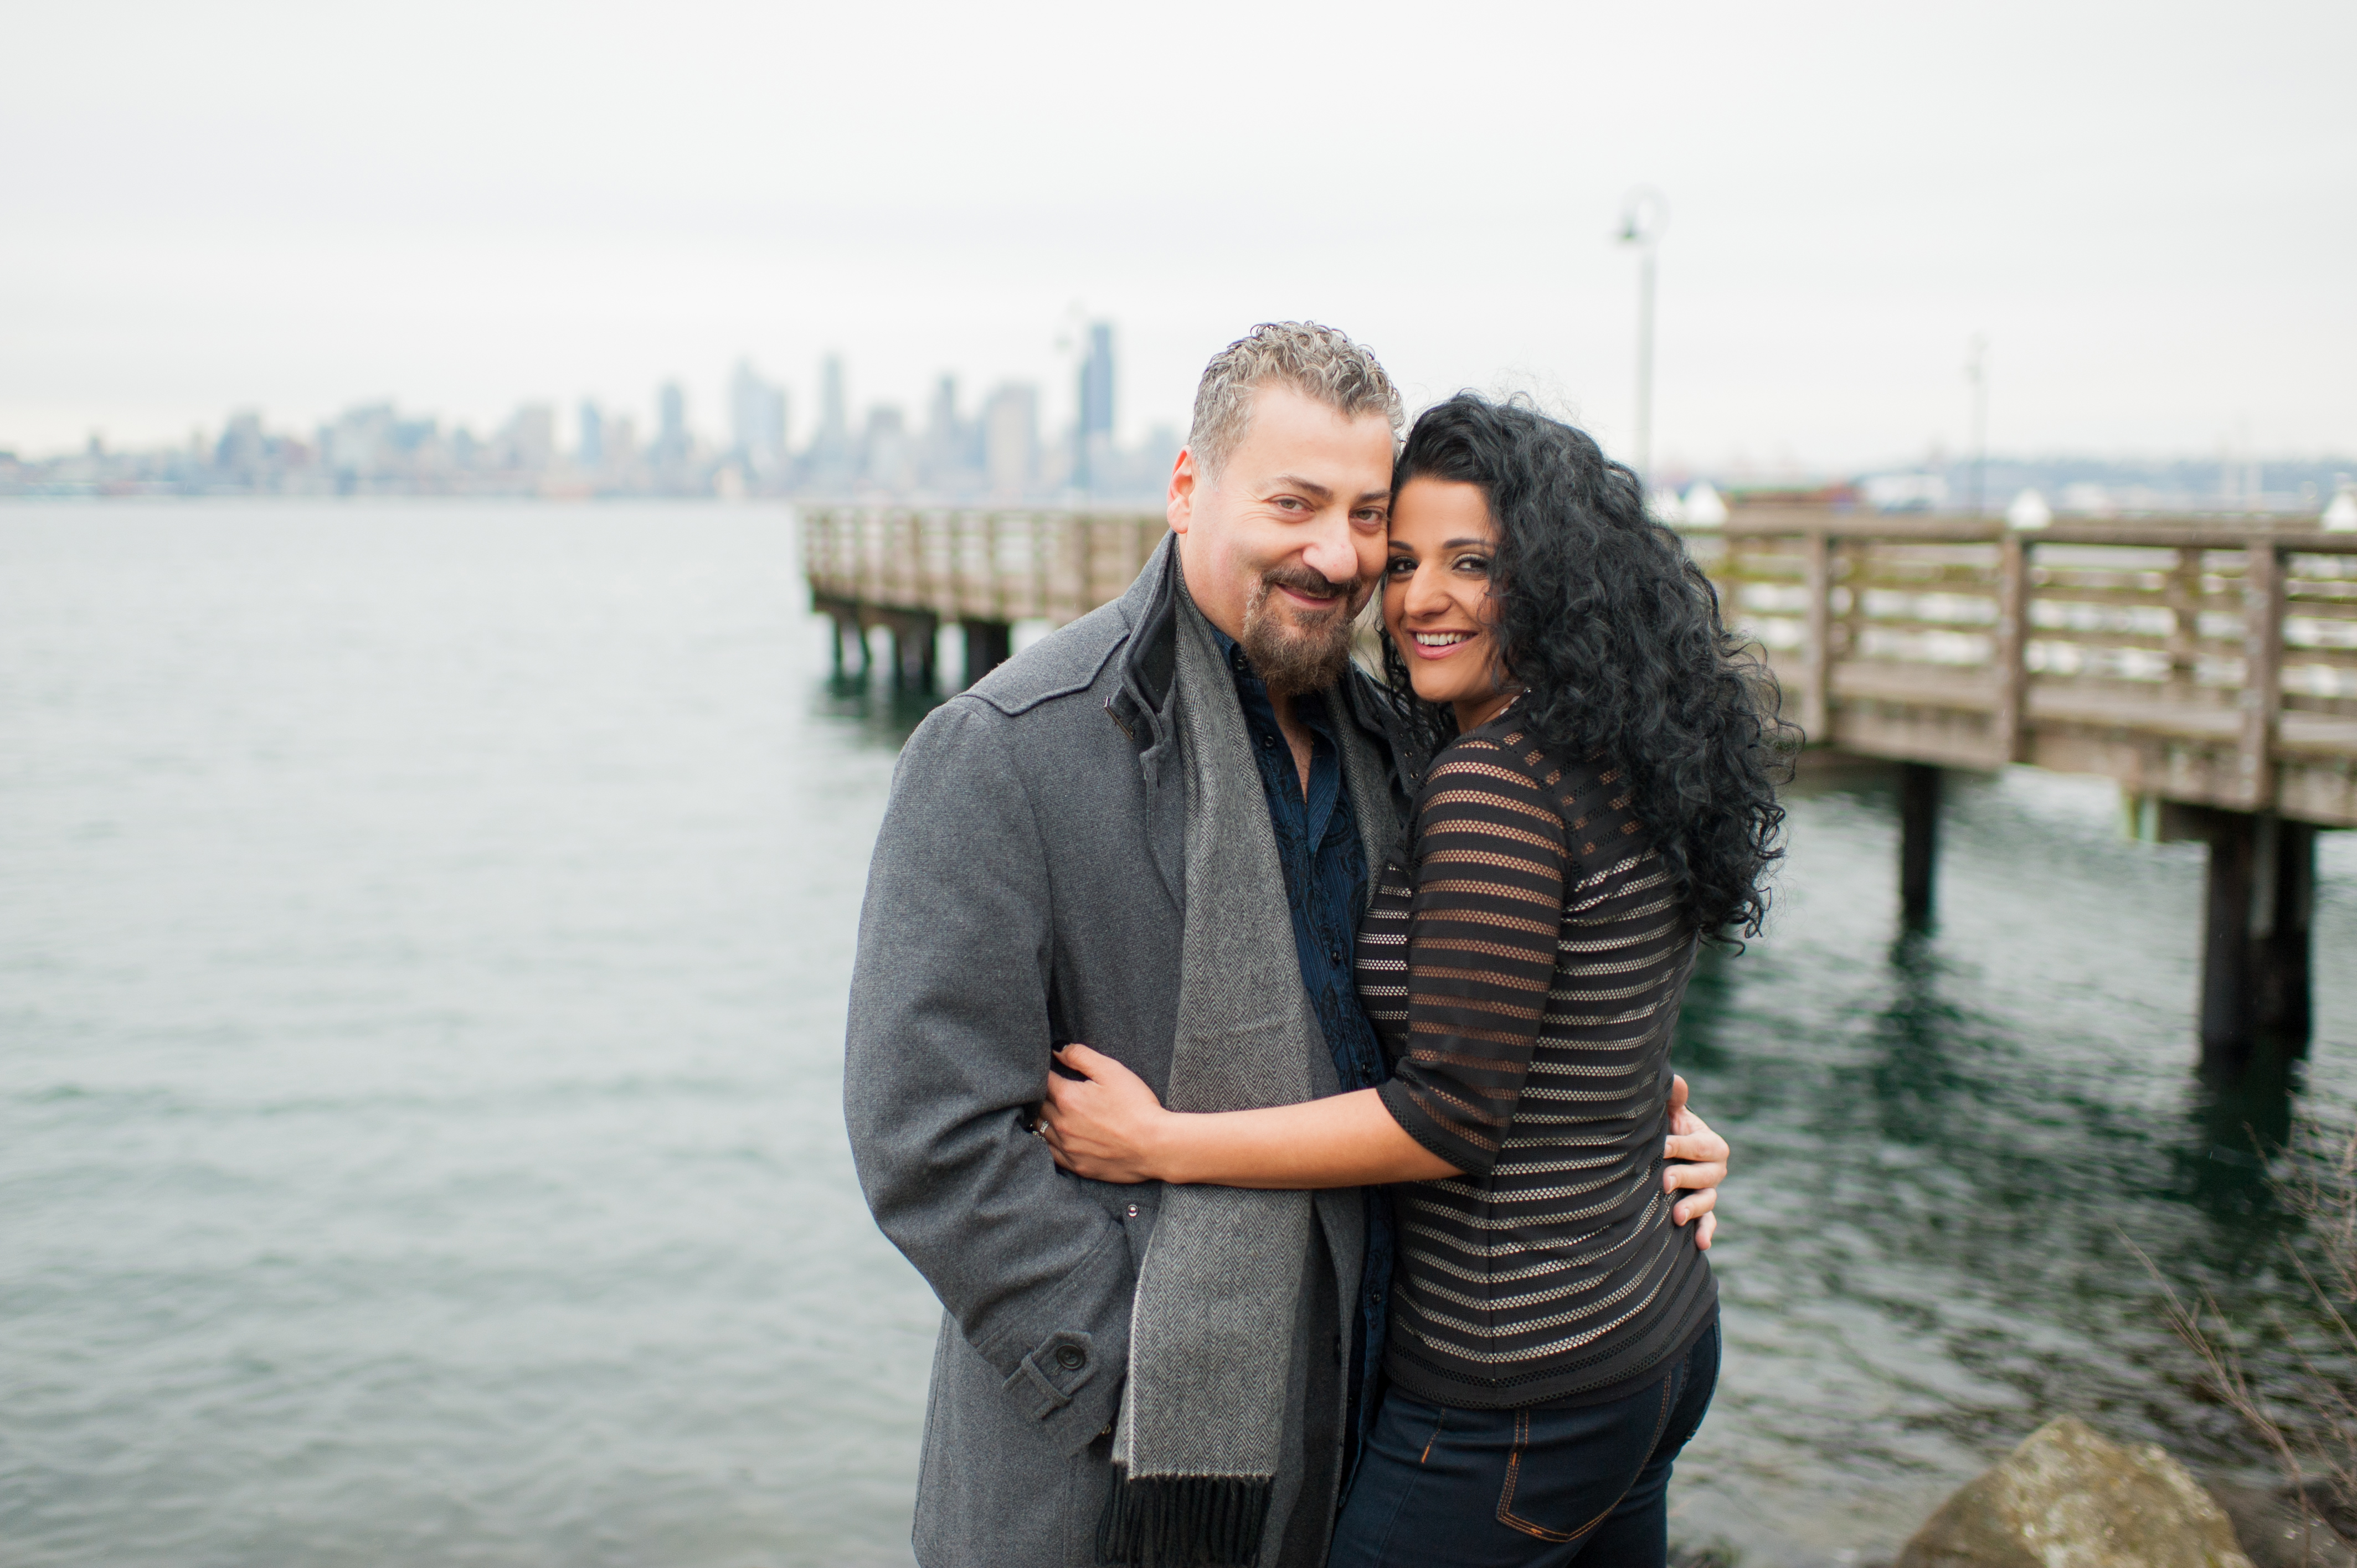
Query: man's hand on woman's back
1704,1154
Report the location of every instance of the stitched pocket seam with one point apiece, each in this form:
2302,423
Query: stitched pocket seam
1506,1515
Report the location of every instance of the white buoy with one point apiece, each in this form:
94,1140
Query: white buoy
1703,504
2028,510
2340,512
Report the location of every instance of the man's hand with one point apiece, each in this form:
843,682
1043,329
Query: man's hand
1705,1154
1103,1124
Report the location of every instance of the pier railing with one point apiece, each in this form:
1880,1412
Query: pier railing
2204,662
961,565
2207,664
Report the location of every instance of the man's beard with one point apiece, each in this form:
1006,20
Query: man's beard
1294,651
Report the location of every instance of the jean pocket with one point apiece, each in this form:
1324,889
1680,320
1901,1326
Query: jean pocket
1568,1469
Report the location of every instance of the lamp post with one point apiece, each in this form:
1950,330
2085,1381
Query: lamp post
1644,213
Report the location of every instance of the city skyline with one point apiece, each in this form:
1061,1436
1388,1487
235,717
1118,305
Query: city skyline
991,448
2149,213
715,405
1006,452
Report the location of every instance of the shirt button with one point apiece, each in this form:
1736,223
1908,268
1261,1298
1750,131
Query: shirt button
1268,743
1335,954
1132,1211
1071,1358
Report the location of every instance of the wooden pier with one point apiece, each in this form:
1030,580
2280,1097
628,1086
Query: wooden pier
910,571
2207,664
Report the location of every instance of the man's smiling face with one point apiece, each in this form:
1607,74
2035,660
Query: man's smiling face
1284,544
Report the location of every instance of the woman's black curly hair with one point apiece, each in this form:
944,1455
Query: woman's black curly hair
1615,634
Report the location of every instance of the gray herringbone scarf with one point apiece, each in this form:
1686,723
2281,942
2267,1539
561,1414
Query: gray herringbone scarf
1212,1330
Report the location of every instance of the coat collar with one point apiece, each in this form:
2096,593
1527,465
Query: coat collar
1149,664
1140,704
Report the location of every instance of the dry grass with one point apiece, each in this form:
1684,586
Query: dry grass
2314,1441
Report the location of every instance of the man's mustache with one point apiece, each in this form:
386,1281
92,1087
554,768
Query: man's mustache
1301,579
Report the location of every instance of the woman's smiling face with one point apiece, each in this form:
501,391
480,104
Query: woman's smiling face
1437,603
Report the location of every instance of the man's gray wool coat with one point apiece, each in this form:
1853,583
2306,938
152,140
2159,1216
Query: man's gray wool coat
1026,891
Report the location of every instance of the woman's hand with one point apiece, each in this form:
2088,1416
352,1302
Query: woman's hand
1106,1123
1705,1154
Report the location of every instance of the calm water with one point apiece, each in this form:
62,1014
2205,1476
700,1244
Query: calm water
423,932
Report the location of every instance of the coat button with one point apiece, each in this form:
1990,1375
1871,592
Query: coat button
1071,1358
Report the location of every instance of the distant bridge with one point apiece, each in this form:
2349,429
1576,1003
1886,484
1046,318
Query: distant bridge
2207,664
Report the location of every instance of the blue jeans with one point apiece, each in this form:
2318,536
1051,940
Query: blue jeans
1441,1487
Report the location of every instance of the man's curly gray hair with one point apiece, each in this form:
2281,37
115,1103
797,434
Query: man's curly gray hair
1316,361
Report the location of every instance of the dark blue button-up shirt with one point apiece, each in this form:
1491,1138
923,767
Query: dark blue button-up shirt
1326,886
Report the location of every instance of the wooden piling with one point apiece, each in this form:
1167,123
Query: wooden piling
2228,1022
989,644
1919,843
2258,909
914,637
2283,936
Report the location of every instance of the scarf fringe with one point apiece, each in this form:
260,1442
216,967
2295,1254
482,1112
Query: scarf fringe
1184,1521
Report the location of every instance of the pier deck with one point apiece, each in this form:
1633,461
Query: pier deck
2203,661
2207,664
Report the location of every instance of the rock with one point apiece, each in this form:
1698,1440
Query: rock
2277,1532
2067,1498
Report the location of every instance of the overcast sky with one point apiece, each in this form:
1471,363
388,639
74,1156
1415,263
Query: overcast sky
2150,209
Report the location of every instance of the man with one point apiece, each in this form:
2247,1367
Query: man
1151,832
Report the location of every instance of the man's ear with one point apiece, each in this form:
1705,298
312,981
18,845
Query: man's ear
1179,506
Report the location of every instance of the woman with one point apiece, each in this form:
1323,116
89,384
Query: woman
1601,802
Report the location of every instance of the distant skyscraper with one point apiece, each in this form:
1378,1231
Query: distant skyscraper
357,444
1158,457
887,460
945,446
670,405
622,434
942,420
1096,381
529,442
592,453
240,453
834,414
1010,425
757,417
1092,437
831,456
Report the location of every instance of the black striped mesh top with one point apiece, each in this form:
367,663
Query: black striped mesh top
1524,975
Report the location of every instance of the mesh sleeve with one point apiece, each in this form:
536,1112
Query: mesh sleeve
1482,952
